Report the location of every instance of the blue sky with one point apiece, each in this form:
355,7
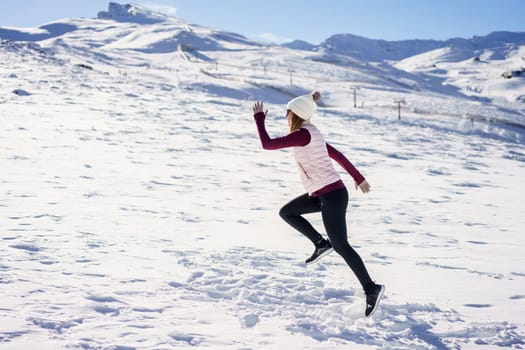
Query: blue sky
310,20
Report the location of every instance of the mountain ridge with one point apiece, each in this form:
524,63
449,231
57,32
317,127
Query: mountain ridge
378,49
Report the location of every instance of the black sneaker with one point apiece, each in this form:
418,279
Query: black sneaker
321,250
373,298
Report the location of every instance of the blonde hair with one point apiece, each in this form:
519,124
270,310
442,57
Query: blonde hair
296,122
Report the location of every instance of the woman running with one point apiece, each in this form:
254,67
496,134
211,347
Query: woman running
326,192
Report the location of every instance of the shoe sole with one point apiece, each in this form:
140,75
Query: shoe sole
378,300
325,253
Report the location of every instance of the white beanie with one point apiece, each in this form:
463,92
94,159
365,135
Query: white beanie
304,106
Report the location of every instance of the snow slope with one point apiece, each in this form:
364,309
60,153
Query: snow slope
140,212
478,76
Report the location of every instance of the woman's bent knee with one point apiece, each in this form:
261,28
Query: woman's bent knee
284,214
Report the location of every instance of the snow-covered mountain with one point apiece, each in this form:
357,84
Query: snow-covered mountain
499,43
129,27
138,210
475,66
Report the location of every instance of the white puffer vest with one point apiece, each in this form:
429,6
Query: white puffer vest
315,166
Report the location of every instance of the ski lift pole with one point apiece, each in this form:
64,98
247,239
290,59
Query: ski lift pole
355,95
291,71
399,102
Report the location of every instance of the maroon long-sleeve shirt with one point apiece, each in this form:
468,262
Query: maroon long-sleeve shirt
300,138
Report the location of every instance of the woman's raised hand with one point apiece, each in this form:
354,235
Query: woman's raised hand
258,107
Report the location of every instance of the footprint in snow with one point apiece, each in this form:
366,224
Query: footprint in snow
27,247
478,306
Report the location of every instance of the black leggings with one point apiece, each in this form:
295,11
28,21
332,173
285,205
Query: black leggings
332,206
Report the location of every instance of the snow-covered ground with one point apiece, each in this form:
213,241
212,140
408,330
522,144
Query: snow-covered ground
140,212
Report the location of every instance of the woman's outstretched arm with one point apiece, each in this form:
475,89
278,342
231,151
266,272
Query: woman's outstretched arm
340,158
